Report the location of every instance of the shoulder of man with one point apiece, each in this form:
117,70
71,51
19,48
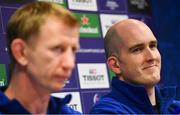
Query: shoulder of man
59,105
168,92
169,98
110,106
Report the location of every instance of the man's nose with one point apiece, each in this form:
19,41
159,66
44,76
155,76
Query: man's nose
68,61
150,54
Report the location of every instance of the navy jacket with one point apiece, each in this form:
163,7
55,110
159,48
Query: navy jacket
56,106
131,99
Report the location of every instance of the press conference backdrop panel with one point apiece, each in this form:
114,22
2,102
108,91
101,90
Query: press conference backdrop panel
91,78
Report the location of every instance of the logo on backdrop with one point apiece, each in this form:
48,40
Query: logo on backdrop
60,2
75,102
112,6
147,20
87,5
93,75
90,26
108,20
84,20
139,6
3,77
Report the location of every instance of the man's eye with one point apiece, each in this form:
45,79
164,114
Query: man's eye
152,46
74,50
137,50
58,49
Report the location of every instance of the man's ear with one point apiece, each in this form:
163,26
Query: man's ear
18,48
113,64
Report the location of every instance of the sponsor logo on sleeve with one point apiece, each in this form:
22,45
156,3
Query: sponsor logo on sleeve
96,97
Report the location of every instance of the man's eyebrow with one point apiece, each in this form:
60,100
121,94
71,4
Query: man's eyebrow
154,42
141,45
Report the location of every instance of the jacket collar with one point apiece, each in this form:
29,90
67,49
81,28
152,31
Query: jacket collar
135,94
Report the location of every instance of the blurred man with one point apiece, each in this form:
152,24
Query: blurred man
43,39
132,54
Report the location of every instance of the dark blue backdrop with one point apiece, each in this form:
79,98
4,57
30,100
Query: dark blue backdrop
166,25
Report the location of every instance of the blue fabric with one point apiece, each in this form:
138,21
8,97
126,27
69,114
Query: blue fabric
56,106
131,99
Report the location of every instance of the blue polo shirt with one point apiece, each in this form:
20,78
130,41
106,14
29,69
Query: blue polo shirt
56,106
132,99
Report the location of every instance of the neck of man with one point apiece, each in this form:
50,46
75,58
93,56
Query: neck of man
28,93
151,95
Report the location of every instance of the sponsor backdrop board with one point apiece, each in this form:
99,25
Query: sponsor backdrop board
90,78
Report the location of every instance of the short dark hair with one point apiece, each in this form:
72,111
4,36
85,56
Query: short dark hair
111,42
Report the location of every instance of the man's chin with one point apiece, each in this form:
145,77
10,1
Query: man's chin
157,79
57,88
154,82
